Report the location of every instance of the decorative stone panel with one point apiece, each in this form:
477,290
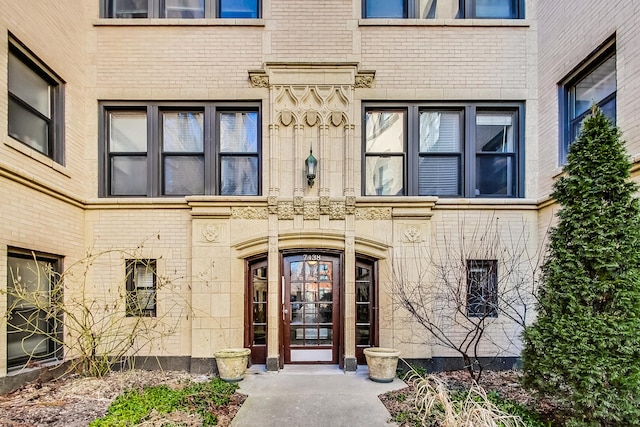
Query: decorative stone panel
249,213
212,233
285,210
311,210
337,210
373,213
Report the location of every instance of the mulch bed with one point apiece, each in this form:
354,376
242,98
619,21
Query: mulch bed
75,401
506,383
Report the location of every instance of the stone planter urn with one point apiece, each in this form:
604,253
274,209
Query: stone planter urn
382,363
232,363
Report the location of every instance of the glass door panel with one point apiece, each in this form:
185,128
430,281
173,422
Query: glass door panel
256,311
309,312
365,309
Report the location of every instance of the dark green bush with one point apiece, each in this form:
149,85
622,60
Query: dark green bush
583,350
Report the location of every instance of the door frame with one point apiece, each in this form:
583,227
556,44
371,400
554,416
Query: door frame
339,305
374,307
258,352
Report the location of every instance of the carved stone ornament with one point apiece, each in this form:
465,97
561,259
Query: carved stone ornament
412,234
311,211
324,205
258,79
373,213
286,117
364,79
272,202
312,118
298,205
211,233
350,241
350,205
249,213
337,210
336,118
285,210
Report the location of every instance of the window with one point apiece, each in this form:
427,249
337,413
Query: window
443,9
238,9
482,288
141,287
33,327
472,150
594,82
178,150
180,9
35,103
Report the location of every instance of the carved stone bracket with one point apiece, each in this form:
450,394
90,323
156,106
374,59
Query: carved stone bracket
324,205
364,79
258,78
298,205
373,213
350,205
272,203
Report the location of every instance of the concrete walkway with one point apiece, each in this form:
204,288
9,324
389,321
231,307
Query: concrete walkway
312,396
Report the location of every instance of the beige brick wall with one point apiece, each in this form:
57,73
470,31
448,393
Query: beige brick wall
508,235
145,60
569,32
53,31
311,31
162,234
40,208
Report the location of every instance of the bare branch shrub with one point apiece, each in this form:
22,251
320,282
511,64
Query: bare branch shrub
432,286
93,323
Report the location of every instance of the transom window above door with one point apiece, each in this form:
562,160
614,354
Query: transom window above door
174,149
443,9
180,9
471,150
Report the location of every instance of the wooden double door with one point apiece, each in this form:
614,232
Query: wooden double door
310,308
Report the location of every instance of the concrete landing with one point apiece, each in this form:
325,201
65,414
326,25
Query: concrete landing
312,396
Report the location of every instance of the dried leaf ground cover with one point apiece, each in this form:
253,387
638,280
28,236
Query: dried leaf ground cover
76,401
401,403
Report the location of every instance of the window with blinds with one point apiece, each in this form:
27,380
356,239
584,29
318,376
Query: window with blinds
445,150
180,149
